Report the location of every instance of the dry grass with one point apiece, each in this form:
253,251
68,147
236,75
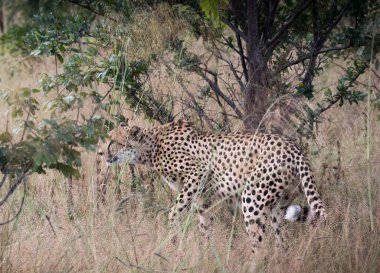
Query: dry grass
152,30
134,237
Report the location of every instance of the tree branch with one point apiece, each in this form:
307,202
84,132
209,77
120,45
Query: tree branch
198,108
218,92
320,37
269,20
238,13
272,43
20,208
230,65
228,44
88,7
339,96
234,72
328,106
12,188
235,29
242,57
3,179
308,56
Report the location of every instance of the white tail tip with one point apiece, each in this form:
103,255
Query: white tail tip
293,213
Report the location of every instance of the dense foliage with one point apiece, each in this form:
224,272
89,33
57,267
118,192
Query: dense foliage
90,70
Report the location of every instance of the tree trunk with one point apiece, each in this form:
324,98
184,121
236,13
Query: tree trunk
257,93
257,97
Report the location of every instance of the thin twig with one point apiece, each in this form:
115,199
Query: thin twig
3,179
50,224
272,43
162,257
138,267
322,237
13,188
20,208
308,56
242,57
217,91
88,7
235,28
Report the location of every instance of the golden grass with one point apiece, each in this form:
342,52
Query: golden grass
104,238
134,236
151,31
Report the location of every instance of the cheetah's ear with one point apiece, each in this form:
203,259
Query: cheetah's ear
135,131
124,123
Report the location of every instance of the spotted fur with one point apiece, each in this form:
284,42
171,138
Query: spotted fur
262,173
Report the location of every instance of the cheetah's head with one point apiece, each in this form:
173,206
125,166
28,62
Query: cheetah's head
124,144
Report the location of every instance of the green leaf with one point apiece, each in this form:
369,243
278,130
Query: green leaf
5,137
59,57
51,122
36,52
212,9
66,170
328,92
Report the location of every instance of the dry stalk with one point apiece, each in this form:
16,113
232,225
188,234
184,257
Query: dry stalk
369,139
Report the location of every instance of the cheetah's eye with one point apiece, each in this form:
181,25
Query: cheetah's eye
100,153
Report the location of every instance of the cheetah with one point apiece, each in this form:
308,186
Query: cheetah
261,173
